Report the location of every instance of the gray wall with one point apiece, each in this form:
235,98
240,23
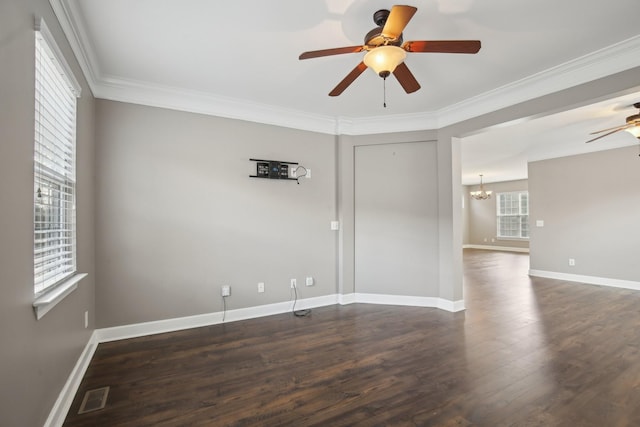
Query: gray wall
590,205
482,222
396,219
36,357
178,215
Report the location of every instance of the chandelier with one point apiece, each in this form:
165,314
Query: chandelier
481,195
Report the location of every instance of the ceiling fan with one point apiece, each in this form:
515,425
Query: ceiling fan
632,126
386,50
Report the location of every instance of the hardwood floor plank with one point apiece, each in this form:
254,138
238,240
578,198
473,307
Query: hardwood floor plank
526,352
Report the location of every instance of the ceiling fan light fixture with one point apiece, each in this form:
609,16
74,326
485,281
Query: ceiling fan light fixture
634,130
383,60
635,121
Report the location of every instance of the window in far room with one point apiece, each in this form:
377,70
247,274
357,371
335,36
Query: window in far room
513,215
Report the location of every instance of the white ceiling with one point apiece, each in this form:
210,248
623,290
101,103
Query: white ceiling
240,59
502,153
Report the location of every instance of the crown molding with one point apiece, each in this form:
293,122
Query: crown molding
143,93
67,15
386,124
613,59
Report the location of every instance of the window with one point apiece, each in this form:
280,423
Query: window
513,215
56,90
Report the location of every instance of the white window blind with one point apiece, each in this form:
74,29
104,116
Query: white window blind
54,165
513,215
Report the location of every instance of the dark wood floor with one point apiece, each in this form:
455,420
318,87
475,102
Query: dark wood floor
526,352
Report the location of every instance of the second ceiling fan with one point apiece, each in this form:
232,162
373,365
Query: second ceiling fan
632,126
386,50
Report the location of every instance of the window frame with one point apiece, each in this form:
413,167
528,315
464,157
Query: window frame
56,92
523,217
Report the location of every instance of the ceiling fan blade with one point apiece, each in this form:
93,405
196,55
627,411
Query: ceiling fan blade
348,80
615,127
606,134
443,46
398,18
329,52
406,78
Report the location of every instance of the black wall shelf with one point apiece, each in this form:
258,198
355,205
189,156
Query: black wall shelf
272,169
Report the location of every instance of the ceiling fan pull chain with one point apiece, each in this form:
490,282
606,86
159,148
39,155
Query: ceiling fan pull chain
384,92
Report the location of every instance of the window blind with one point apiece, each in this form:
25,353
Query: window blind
54,166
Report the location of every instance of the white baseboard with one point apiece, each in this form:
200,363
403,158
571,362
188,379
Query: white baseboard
496,248
65,399
176,324
414,301
452,306
590,280
344,299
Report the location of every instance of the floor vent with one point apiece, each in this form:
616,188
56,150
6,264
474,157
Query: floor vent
94,400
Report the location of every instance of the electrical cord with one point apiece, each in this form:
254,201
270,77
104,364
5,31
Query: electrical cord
224,308
300,176
299,313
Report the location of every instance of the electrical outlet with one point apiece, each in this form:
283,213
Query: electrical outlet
225,291
308,175
261,287
294,283
309,281
572,262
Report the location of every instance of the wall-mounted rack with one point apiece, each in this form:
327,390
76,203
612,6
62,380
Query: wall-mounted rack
272,169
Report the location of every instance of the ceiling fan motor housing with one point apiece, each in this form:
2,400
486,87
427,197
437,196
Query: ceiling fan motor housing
634,119
380,17
374,38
